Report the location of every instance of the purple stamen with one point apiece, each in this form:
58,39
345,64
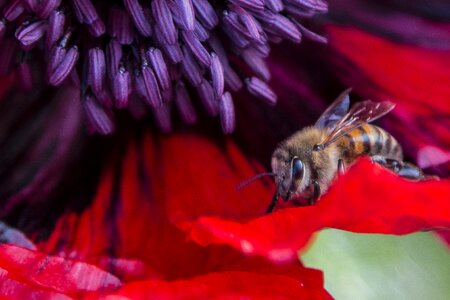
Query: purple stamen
97,71
232,80
209,100
196,48
274,5
200,32
152,93
250,24
217,74
13,10
46,7
260,89
97,28
87,10
121,87
256,63
31,5
63,69
156,59
251,4
55,28
113,57
137,15
227,116
99,120
205,13
120,27
151,54
29,34
164,21
191,69
185,11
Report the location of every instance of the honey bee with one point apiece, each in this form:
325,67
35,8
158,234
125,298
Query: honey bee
306,163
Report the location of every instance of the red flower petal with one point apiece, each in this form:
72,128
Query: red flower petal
368,199
32,272
256,282
128,228
415,78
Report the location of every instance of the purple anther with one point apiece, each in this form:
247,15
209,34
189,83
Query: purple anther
200,32
251,4
97,71
256,63
55,28
163,17
87,10
274,5
13,10
208,98
196,48
113,57
99,120
119,26
206,13
186,13
97,28
30,33
191,69
46,7
152,93
64,68
156,60
217,75
226,110
138,17
260,89
122,87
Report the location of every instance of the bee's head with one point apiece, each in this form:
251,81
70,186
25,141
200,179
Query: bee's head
290,174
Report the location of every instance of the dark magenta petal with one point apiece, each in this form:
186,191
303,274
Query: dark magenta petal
413,77
367,199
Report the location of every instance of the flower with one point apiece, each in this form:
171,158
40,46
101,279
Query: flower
142,56
141,213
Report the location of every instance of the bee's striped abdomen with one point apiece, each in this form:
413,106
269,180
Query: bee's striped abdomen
372,140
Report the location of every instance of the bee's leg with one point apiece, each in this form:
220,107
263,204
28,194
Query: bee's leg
316,192
410,171
273,203
404,169
341,167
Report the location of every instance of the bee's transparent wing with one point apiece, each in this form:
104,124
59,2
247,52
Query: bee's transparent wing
335,112
360,113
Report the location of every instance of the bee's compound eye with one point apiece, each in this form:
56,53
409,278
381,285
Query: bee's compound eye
297,169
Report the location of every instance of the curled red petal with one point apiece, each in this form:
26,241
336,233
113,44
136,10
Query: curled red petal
368,199
228,285
57,274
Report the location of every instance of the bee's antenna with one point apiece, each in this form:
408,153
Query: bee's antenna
250,180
